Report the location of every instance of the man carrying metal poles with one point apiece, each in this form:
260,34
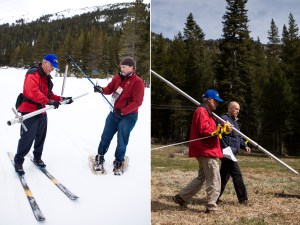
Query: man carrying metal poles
206,151
256,145
37,92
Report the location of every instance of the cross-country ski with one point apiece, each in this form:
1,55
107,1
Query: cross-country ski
61,187
34,206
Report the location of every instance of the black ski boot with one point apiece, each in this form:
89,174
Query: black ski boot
118,167
39,163
19,169
99,164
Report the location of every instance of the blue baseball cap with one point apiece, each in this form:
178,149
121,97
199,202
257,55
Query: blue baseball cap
212,94
52,59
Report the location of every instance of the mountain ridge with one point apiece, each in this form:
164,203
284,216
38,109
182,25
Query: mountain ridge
29,17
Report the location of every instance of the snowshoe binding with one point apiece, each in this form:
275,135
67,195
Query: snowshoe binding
120,167
97,164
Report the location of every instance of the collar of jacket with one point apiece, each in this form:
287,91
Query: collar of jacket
127,76
42,72
207,109
233,118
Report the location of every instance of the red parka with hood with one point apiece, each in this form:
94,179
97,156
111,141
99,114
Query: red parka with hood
37,88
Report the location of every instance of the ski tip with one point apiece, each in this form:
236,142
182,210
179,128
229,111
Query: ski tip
74,198
40,218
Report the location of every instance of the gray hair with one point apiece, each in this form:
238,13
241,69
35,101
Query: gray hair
205,100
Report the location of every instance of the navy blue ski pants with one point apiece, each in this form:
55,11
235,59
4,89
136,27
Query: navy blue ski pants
37,130
123,126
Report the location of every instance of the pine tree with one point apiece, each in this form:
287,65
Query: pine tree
235,70
160,93
277,92
290,55
274,41
198,76
135,36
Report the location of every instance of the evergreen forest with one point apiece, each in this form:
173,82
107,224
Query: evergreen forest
263,78
97,40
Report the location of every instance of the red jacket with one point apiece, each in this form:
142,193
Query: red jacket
35,88
203,124
132,95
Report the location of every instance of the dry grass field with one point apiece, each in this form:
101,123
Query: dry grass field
264,177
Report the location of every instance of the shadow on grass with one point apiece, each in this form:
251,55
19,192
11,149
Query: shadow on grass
167,204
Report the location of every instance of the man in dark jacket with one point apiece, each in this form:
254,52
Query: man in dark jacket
37,92
127,91
230,168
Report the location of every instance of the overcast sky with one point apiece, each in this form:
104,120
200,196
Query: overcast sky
39,7
169,16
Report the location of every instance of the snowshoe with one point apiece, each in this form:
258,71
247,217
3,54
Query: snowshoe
120,167
97,164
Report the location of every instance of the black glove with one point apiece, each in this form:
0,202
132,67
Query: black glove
67,99
54,103
117,113
97,88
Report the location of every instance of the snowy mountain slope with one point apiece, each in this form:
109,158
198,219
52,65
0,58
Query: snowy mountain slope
73,133
27,17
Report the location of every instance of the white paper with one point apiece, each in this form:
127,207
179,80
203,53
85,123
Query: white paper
227,152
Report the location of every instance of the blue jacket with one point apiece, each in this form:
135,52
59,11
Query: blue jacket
234,140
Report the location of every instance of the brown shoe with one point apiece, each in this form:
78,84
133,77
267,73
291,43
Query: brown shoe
219,202
211,211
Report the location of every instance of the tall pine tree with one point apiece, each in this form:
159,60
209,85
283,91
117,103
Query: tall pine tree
235,70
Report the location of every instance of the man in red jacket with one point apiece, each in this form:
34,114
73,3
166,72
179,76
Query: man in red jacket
206,151
127,91
37,92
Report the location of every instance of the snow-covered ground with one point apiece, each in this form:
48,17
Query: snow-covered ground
73,134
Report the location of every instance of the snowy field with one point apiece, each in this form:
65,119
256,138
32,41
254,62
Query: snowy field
73,134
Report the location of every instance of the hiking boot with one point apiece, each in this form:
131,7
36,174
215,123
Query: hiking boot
219,202
39,163
118,167
243,202
19,169
98,164
178,200
212,210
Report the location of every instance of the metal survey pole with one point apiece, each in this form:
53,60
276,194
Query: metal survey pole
20,119
223,121
64,80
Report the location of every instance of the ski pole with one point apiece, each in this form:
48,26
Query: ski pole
72,61
64,80
20,119
223,121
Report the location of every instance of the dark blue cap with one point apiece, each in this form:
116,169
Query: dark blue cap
212,94
52,59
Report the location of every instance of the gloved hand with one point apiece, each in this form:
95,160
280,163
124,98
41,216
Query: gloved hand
54,103
117,113
67,99
97,88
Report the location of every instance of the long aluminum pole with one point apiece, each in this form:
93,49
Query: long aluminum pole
20,119
64,80
223,121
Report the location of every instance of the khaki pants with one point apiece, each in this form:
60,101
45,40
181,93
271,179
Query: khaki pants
210,174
